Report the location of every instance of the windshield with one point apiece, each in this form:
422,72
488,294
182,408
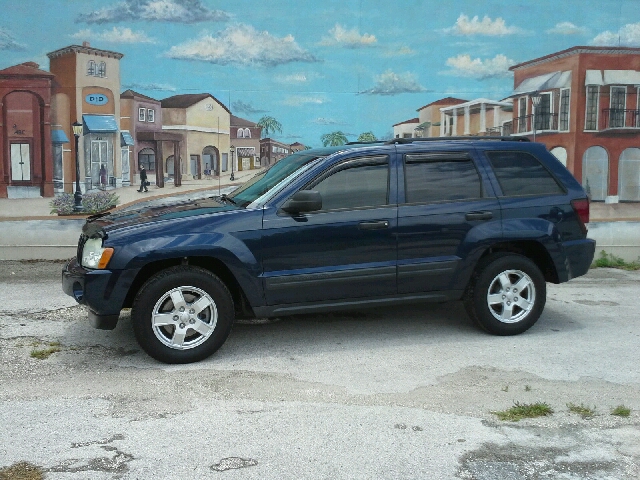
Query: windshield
269,178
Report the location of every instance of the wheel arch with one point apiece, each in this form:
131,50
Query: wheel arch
533,250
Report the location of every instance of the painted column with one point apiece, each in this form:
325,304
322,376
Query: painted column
442,124
454,130
47,153
467,120
496,111
483,117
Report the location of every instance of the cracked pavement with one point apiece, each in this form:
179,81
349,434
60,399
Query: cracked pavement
389,393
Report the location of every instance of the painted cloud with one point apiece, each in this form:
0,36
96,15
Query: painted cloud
115,35
242,45
179,11
566,28
486,26
465,66
390,83
241,107
627,36
341,37
7,42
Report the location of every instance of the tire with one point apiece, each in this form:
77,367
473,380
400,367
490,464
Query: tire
182,314
491,300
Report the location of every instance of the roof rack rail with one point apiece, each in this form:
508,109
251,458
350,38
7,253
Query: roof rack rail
447,139
383,142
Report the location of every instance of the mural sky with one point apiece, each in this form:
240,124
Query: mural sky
317,67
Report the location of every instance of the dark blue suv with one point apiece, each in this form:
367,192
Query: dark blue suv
486,220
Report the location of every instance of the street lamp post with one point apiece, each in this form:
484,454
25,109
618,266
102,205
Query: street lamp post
535,101
232,150
77,197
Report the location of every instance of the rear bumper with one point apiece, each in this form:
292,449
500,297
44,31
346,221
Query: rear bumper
102,291
579,257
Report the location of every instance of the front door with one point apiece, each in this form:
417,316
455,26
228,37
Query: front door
347,250
194,166
20,162
99,159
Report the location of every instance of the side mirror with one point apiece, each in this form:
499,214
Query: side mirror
303,201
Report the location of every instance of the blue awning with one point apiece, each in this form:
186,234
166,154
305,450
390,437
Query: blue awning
58,136
99,124
125,138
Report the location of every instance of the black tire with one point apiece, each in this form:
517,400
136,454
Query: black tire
490,299
195,328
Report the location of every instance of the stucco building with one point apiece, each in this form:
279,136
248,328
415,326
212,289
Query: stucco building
476,117
271,151
245,137
87,90
406,129
26,134
588,115
430,118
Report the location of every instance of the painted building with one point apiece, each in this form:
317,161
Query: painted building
204,123
297,147
144,141
476,117
406,129
87,90
587,114
27,137
271,151
430,118
245,137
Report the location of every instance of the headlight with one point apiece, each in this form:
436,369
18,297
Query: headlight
94,256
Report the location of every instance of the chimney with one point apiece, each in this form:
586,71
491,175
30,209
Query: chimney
86,44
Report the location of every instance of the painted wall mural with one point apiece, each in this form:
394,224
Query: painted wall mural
321,71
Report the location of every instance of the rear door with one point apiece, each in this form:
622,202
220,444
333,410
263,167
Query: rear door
347,250
447,211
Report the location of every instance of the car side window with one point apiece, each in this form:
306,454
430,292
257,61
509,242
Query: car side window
355,183
440,177
520,173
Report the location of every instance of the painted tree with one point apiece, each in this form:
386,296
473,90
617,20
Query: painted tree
367,137
333,139
269,125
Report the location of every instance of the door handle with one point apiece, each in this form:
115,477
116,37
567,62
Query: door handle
479,216
378,225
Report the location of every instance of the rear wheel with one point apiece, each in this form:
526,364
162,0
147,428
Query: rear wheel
182,314
506,295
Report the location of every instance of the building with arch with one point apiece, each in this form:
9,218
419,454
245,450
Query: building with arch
587,114
27,137
245,137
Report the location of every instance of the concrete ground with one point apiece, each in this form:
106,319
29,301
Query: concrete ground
387,394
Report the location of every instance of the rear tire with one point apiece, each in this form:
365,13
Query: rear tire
182,314
506,294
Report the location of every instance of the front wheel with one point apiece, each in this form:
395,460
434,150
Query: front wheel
506,295
182,315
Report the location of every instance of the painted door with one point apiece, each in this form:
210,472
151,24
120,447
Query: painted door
126,173
20,162
58,171
99,157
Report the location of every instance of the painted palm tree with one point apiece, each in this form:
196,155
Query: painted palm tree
269,125
367,137
333,139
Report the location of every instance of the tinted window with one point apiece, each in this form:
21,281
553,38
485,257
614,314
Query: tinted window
440,177
520,173
355,183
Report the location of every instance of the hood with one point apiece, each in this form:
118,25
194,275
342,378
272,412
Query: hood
128,216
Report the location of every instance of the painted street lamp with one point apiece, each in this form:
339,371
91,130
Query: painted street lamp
535,101
232,149
77,197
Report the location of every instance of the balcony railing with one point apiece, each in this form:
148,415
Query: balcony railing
544,122
620,118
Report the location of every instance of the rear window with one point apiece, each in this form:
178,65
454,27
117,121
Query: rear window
520,173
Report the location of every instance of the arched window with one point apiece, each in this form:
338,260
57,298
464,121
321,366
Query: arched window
240,133
91,68
595,172
147,157
210,161
247,133
561,154
629,175
102,69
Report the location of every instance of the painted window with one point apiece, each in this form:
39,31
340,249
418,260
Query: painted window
102,69
91,68
543,112
565,96
591,120
629,175
151,115
142,113
240,133
147,157
595,172
617,107
522,114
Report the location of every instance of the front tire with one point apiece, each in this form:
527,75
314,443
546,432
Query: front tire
506,295
182,314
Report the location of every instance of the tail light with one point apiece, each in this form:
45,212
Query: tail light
581,207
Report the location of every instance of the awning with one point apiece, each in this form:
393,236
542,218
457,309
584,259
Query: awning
246,151
543,82
593,77
126,138
99,124
621,77
58,136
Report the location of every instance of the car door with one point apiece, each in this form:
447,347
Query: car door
447,208
346,250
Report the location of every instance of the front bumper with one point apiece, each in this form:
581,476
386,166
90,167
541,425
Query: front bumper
102,291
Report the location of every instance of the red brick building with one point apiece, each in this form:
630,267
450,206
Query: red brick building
26,140
588,115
